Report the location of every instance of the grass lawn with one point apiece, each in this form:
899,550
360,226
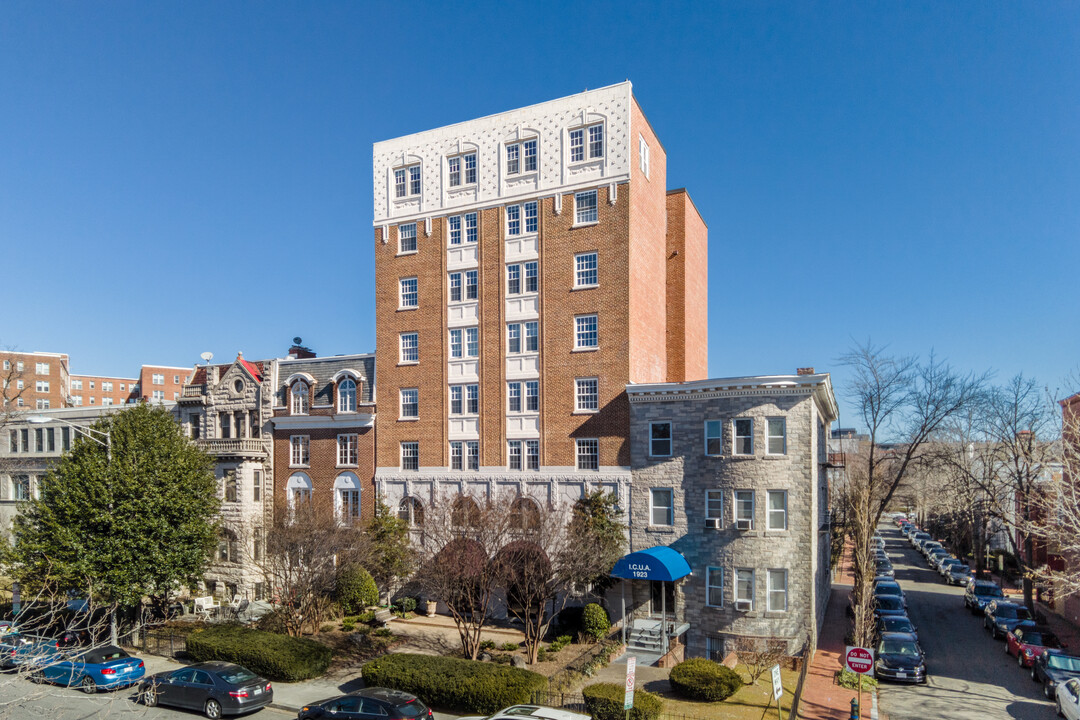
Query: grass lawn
751,702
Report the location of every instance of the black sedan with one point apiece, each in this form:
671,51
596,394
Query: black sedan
900,658
896,624
367,704
1001,616
889,605
1052,668
215,688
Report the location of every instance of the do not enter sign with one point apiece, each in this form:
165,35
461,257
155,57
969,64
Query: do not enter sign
859,660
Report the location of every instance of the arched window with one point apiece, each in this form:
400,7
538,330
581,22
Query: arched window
346,398
525,514
299,490
347,498
465,513
411,511
300,398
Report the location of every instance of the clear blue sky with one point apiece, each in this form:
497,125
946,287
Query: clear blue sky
190,176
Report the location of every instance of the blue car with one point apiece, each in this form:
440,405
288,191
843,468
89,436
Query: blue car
105,668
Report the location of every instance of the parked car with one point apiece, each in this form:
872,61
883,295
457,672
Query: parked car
885,605
885,570
935,556
927,546
900,658
979,593
1068,699
366,704
944,564
17,650
1027,641
215,688
917,537
888,587
105,668
895,624
1001,616
517,712
958,575
1052,668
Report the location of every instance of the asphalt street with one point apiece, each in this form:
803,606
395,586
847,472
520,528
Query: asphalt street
970,676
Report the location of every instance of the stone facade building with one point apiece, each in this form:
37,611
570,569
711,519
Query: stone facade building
732,474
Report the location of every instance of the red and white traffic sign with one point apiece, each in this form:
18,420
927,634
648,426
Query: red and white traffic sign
859,660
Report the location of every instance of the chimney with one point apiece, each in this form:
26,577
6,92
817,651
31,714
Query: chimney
298,351
805,371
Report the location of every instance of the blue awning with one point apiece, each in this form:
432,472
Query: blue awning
656,563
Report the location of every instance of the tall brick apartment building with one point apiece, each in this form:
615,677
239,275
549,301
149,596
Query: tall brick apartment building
33,381
529,265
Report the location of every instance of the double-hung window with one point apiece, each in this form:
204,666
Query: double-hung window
743,434
514,216
41,368
472,284
531,276
714,437
410,456
464,399
299,455
744,586
744,507
455,224
585,332
465,454
577,145
714,587
414,180
528,155
513,279
532,454
586,394
457,455
530,449
596,141
407,238
532,396
585,211
464,285
459,164
585,274
777,436
472,342
522,277
407,181
513,219
513,338
521,157
714,505
470,228
661,507
472,454
472,399
777,582
513,449
588,454
347,450
400,186
777,509
410,347
464,342
513,159
456,348
457,394
43,386
410,403
513,396
408,294
532,336
660,439
643,155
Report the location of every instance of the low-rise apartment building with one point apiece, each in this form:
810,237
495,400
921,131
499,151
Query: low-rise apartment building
33,381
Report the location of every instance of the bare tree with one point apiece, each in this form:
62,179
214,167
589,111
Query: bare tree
759,654
902,402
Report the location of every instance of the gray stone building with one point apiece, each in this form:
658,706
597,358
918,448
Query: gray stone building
732,474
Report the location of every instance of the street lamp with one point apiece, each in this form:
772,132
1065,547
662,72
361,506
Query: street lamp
101,437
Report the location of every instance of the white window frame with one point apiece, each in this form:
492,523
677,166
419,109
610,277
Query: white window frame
581,332
515,450
409,354
735,436
586,213
299,451
591,446
404,293
669,508
718,437
348,511
409,398
718,497
457,455
472,341
155,379
770,512
513,397
346,392
736,517
299,402
465,175
456,343
408,446
579,271
348,450
711,585
405,233
643,155
41,368
769,575
670,438
583,141
531,450
753,589
588,396
769,437
517,153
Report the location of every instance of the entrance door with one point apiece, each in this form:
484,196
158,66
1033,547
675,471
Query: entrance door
657,602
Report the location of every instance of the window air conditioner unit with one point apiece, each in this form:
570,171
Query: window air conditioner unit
743,524
742,605
712,523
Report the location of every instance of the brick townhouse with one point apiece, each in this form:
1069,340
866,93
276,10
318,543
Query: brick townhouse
529,265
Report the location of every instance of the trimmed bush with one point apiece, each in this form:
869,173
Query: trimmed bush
703,679
407,604
277,657
448,683
356,589
595,622
604,701
510,647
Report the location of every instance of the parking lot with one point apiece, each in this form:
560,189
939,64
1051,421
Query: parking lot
970,676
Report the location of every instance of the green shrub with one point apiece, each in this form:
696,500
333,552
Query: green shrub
604,701
454,684
383,632
348,625
560,642
274,622
703,679
487,645
327,627
366,617
509,646
277,657
541,654
850,680
595,622
406,604
356,589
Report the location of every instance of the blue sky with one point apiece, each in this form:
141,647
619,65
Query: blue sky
181,177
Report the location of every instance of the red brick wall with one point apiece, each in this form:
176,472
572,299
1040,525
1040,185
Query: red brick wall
118,396
687,290
57,379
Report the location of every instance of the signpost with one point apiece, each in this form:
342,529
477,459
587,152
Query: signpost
859,660
777,688
628,699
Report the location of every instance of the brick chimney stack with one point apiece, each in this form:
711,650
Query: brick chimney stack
805,371
298,351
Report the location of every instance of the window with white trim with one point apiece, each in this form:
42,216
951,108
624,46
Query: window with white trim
586,394
41,368
743,436
299,450
532,454
661,507
513,159
585,270
714,505
585,208
513,453
714,587
106,386
744,506
76,384
472,342
348,505
595,148
521,157
522,278
410,347
407,238
588,453
464,285
714,437
744,586
457,348
299,398
462,170
155,379
410,456
347,449
408,296
513,397
514,215
532,396
596,141
660,439
465,399
401,186
777,584
42,386
777,508
44,404
455,225
457,455
414,180
465,455
776,436
643,155
346,392
585,332
410,403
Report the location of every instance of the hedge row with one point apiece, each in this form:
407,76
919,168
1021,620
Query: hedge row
274,656
604,701
703,679
454,684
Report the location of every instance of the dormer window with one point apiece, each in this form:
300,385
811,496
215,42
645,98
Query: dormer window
300,401
592,137
521,157
347,395
407,181
462,169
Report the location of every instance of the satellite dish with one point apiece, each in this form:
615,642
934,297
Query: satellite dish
207,356
297,340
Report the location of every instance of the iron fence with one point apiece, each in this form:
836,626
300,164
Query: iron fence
164,643
575,702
